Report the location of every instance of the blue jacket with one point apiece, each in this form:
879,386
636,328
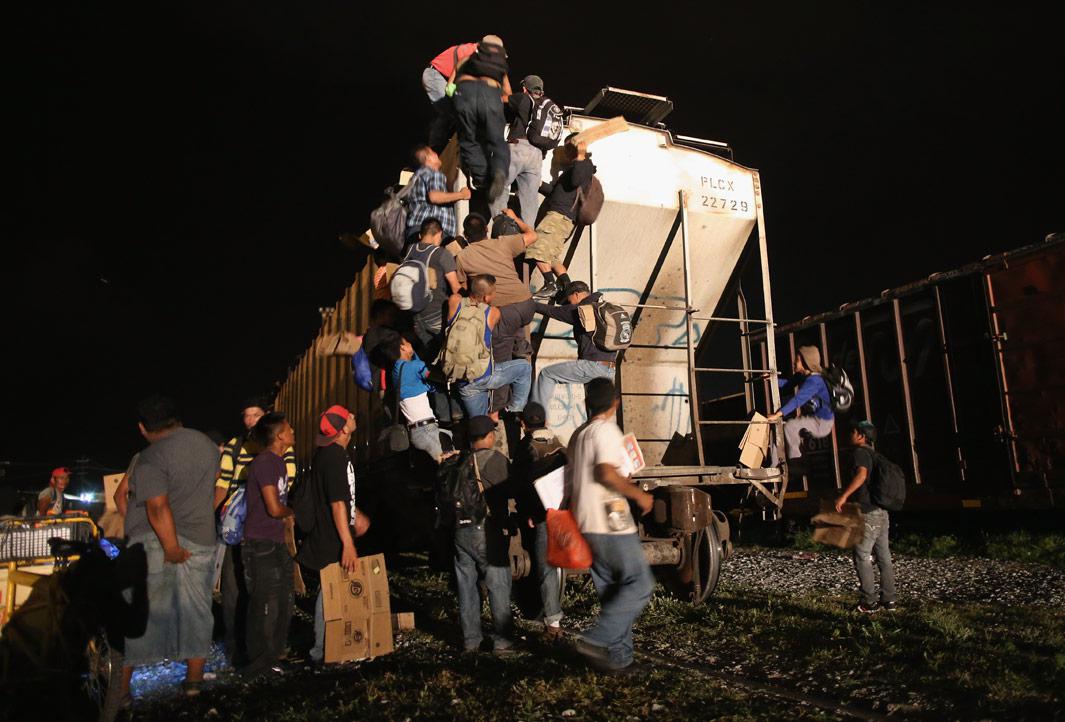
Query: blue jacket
812,390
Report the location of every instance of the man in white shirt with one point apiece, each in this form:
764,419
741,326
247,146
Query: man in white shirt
600,494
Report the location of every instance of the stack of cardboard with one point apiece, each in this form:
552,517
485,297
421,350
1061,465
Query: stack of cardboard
839,529
755,442
358,618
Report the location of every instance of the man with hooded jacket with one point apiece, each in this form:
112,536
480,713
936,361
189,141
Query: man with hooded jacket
811,403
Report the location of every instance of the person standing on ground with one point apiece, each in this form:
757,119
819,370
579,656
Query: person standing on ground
559,211
430,198
877,521
600,502
237,455
171,516
811,404
526,160
592,362
481,84
481,550
51,500
338,522
266,559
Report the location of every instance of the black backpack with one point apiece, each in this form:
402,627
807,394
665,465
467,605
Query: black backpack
840,390
613,327
304,501
460,492
888,489
388,222
545,124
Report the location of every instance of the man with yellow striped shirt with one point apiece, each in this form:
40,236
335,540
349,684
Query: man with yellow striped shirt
237,454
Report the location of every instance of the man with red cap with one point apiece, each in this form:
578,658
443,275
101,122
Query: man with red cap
337,521
50,500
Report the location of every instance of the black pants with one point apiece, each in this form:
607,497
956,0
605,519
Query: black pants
479,113
234,604
269,571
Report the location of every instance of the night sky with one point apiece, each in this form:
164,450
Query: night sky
182,170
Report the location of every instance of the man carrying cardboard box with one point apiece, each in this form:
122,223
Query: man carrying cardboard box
337,521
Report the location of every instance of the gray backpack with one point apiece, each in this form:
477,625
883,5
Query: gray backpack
388,221
410,286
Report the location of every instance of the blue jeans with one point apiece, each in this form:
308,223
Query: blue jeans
180,623
471,562
567,372
479,112
527,168
516,373
624,583
550,583
875,541
427,439
268,567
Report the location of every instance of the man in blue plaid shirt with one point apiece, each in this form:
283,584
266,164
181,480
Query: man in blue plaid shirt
430,197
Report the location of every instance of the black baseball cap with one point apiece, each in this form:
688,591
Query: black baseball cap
481,426
534,416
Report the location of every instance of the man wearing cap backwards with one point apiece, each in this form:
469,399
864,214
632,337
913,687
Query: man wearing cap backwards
811,403
526,160
338,522
50,500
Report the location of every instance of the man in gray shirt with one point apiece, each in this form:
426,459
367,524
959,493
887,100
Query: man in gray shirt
170,513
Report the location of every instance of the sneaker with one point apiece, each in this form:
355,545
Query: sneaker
868,608
889,606
547,293
597,657
499,179
551,634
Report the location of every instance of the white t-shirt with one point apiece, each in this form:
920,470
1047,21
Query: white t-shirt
597,508
416,408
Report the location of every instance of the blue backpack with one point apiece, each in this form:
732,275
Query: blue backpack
231,520
361,371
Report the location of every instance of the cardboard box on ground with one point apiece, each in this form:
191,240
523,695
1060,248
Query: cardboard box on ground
843,530
357,611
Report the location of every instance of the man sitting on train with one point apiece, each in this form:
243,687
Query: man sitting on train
811,404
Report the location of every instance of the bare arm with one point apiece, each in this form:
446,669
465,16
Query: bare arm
161,518
272,502
348,556
608,476
121,497
856,483
493,317
527,233
43,502
453,282
440,198
507,90
219,496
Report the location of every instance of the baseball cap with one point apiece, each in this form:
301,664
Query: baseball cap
331,424
60,470
481,426
533,83
534,416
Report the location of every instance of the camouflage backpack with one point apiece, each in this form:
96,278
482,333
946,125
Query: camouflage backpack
465,356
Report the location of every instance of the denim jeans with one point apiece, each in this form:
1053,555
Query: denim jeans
427,439
234,603
180,622
471,563
527,168
624,583
516,373
875,542
318,650
567,372
479,112
269,572
443,124
550,581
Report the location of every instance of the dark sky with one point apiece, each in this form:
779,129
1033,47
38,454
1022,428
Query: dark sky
182,170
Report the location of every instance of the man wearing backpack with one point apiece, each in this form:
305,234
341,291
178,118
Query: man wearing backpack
429,197
535,128
467,355
333,522
237,455
867,480
559,211
811,404
592,362
481,547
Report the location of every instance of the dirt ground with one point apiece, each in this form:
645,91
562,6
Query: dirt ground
972,639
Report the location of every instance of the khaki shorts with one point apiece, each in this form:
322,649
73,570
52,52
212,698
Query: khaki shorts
551,236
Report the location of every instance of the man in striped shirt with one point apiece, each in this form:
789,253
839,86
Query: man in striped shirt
237,454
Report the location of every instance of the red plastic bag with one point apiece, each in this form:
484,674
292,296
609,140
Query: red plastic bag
566,547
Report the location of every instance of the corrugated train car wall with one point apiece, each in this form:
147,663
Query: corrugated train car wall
962,374
316,382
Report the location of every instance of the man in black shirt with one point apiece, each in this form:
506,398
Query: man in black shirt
338,522
875,539
559,210
481,550
592,362
526,160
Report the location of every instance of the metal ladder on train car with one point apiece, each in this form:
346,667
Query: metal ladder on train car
767,480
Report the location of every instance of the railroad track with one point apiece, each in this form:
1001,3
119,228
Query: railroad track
426,622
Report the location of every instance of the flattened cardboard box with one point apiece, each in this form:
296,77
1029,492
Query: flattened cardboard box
361,638
358,619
